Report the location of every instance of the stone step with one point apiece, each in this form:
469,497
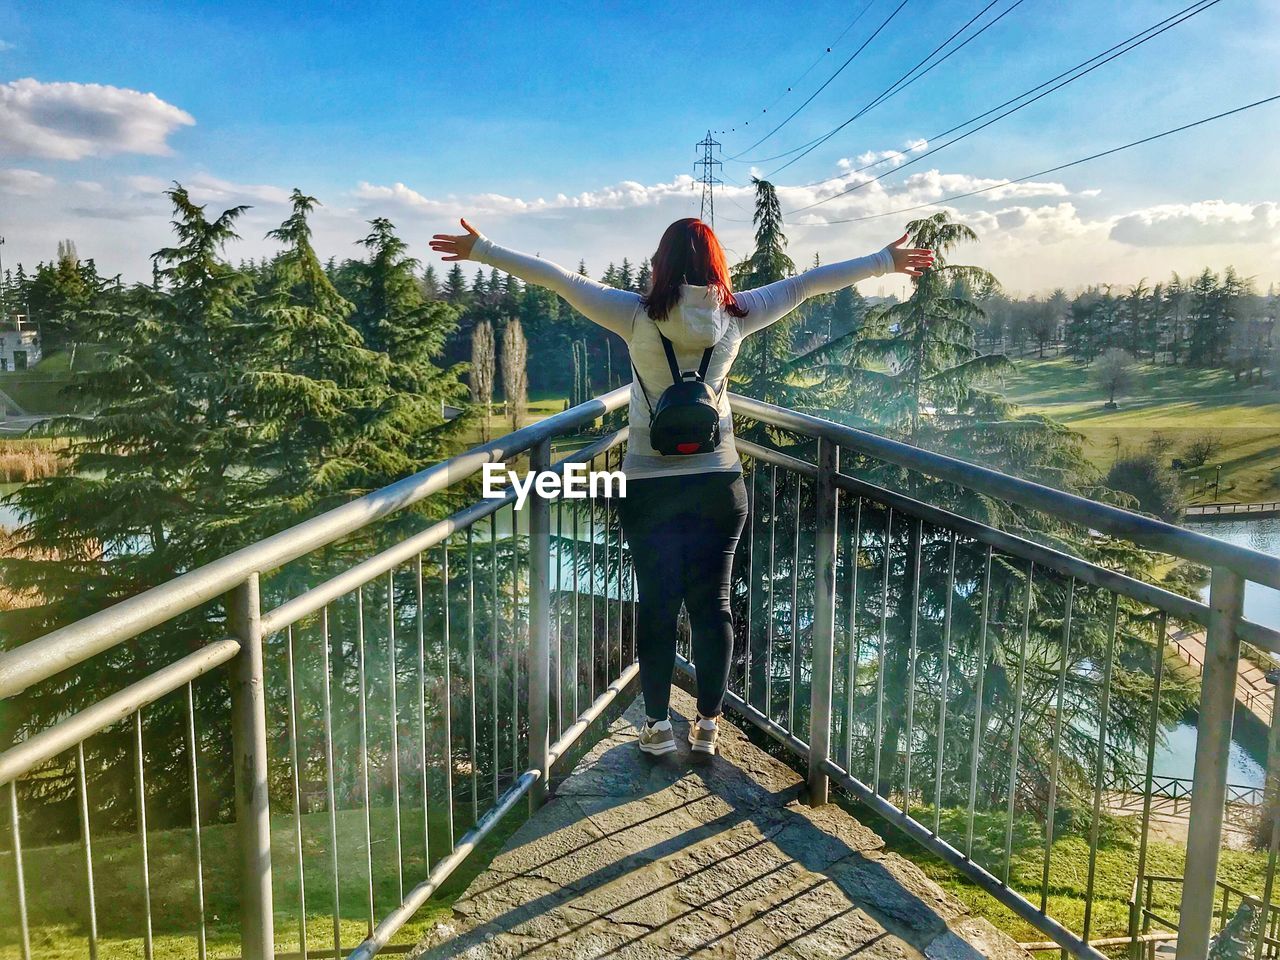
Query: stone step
680,856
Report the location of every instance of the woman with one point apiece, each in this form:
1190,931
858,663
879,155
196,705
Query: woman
682,515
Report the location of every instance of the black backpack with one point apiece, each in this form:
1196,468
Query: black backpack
687,418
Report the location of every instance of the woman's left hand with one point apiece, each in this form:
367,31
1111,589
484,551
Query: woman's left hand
913,261
452,246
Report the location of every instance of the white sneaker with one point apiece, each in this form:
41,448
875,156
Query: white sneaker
657,738
703,734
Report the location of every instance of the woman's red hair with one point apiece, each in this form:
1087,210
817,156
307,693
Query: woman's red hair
689,252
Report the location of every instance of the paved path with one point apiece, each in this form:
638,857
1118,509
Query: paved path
1253,692
643,858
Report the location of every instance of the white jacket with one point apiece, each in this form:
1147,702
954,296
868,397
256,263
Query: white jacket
696,322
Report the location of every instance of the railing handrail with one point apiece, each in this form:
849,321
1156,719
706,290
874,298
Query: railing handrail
1081,511
39,659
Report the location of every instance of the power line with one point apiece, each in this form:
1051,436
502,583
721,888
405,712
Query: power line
811,96
809,69
1128,45
1061,166
901,83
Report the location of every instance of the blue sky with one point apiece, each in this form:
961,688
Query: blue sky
423,111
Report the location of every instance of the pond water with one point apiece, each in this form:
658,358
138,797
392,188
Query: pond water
1262,605
9,517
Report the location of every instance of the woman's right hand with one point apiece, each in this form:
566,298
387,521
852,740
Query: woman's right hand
456,246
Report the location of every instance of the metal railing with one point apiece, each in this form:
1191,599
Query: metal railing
969,685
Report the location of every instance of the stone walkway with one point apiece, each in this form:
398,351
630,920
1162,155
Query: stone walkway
636,857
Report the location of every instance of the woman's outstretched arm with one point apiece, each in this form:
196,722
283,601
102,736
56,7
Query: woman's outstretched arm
772,302
608,306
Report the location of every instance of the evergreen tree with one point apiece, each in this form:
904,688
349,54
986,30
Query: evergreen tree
226,414
765,355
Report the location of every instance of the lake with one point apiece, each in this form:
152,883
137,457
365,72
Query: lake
1262,605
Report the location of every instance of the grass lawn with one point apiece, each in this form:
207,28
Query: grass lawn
1068,871
59,915
39,389
1182,404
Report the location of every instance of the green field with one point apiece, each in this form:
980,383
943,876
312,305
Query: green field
1179,403
39,390
58,906
1114,870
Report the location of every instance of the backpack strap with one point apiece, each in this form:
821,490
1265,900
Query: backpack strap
706,362
676,376
643,392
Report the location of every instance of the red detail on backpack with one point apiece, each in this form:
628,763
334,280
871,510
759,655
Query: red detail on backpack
687,447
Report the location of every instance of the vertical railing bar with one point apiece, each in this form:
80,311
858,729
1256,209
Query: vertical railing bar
515,647
557,604
577,623
251,773
795,614
855,643
446,624
420,618
539,508
1016,745
912,651
943,678
196,837
364,750
297,790
395,732
769,622
471,675
1103,717
604,635
883,645
140,789
751,579
1213,745
591,626
87,845
978,694
330,789
1056,749
493,647
826,526
1153,731
631,576
617,523
15,825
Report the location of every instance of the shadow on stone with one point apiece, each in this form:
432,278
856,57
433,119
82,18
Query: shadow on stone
670,857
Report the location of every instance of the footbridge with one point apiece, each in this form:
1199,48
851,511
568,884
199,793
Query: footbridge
405,726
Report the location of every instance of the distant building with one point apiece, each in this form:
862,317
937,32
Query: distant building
19,343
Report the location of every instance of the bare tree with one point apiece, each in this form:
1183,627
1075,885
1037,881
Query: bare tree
483,363
515,372
1114,371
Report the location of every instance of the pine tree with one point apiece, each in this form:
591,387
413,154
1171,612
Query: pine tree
765,354
225,414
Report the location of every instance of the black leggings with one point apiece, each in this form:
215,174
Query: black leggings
683,532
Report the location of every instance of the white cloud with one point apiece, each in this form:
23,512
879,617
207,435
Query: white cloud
1206,222
89,186
207,189
24,183
623,195
6,46
894,158
70,121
